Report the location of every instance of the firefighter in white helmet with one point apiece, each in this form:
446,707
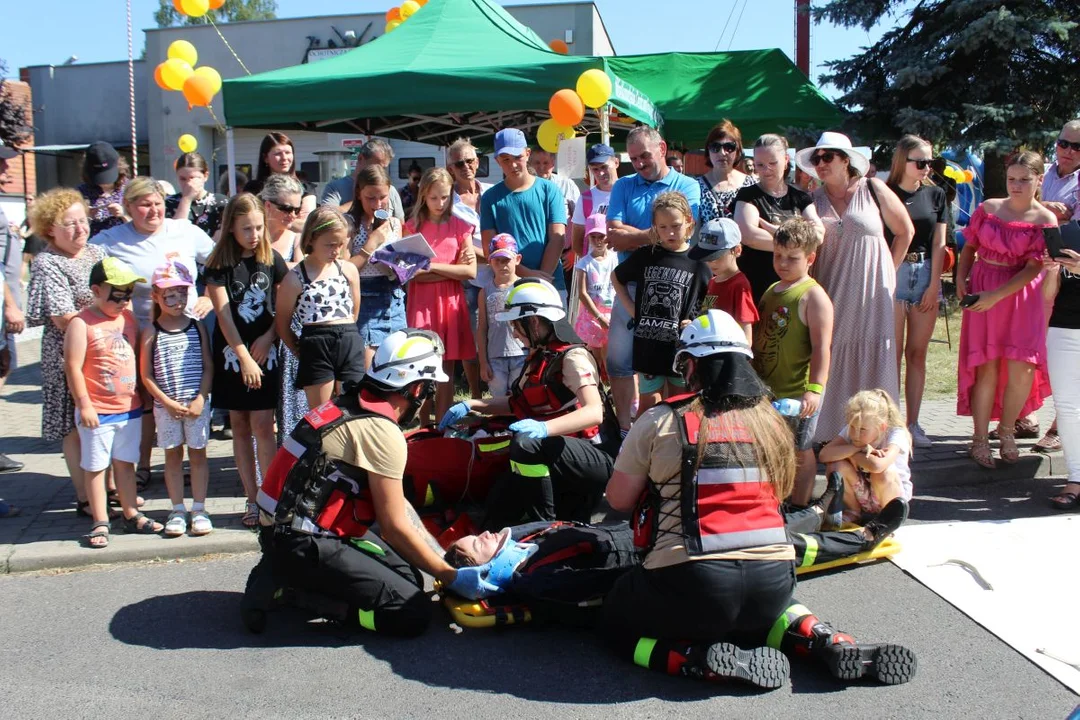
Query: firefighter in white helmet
566,435
337,474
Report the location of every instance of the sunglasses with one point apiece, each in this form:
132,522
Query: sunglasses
728,147
287,209
1066,145
120,296
822,157
920,163
460,164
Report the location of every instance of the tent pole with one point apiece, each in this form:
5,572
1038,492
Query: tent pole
230,154
605,124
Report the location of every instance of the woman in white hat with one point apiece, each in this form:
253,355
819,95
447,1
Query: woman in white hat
857,270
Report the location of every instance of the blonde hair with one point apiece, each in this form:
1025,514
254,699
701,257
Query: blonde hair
227,253
322,220
900,157
50,207
677,202
875,406
432,177
141,186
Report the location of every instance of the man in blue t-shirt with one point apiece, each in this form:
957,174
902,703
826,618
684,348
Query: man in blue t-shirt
629,220
532,210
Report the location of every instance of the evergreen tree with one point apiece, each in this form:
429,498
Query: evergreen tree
986,74
231,11
15,125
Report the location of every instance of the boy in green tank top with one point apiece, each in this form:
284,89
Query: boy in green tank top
792,341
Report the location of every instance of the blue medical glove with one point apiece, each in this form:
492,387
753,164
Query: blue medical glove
534,429
455,413
470,583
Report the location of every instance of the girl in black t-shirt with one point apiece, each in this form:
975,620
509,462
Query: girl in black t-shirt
242,275
918,279
762,207
670,286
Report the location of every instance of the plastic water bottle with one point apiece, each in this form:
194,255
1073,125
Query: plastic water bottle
788,407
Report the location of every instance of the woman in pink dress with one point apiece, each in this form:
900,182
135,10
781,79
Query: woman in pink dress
436,300
1002,369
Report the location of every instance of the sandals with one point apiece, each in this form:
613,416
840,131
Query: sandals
200,524
134,527
1065,501
176,524
98,539
82,509
1007,450
1050,442
251,516
980,451
142,479
114,499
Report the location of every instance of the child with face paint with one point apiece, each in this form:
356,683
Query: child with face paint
177,370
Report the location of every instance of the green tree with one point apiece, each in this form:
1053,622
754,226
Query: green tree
986,74
231,11
15,125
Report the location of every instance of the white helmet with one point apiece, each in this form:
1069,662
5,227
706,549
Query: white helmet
712,333
407,356
532,296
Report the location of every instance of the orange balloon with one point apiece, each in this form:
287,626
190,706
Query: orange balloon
566,107
216,4
198,90
393,14
177,6
560,47
421,3
159,80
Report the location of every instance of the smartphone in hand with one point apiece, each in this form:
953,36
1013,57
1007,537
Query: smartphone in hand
969,300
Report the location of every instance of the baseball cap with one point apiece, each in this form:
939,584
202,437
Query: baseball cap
172,274
716,238
595,223
510,141
503,245
599,153
114,272
102,164
7,152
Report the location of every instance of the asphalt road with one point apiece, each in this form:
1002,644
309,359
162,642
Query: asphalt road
164,640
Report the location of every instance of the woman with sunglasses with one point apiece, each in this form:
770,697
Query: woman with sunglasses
720,185
855,267
277,154
918,280
463,161
282,197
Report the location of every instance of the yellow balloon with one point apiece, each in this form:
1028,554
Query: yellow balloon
187,143
195,8
392,25
174,72
550,133
408,8
212,75
594,87
183,50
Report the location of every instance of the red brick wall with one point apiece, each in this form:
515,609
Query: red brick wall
20,93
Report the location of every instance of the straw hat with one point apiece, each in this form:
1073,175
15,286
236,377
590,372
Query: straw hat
833,141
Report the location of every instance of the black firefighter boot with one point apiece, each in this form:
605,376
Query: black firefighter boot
845,658
260,596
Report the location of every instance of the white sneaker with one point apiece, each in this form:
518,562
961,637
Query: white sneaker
176,525
918,437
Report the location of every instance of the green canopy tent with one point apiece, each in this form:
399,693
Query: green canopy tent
456,67
761,91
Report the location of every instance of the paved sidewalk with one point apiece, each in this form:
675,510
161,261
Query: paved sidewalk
49,535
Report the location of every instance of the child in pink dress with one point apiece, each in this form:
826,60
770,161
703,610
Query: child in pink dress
435,298
1002,364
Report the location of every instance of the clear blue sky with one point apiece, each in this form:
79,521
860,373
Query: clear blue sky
98,32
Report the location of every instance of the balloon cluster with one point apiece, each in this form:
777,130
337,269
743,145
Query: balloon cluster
567,108
397,15
959,176
196,8
178,72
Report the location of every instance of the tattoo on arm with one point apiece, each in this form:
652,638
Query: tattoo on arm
421,531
